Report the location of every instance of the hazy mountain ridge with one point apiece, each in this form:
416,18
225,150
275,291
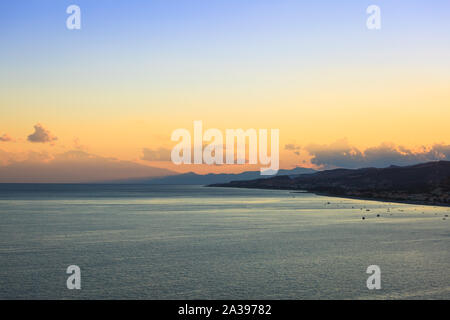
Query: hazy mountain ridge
192,178
425,183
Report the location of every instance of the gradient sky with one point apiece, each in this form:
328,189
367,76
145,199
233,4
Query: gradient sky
137,70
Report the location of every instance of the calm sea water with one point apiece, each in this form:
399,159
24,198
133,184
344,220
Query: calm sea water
193,242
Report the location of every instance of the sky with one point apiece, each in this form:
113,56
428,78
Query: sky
110,94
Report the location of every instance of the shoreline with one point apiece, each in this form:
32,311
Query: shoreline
327,194
413,202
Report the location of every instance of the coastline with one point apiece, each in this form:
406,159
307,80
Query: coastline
329,194
413,202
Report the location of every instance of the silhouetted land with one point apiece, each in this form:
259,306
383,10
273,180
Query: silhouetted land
192,178
425,183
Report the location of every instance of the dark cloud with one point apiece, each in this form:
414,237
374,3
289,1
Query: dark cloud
341,154
293,147
41,135
6,138
337,154
160,154
440,151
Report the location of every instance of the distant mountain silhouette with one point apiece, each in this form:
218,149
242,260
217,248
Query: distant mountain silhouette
424,183
211,178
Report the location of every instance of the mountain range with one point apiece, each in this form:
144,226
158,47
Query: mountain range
192,178
427,183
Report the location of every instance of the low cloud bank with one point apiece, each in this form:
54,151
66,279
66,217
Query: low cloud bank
160,154
342,155
72,166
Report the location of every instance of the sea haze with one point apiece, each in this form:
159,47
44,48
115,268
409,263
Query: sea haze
194,242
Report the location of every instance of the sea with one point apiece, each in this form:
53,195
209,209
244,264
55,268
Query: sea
196,242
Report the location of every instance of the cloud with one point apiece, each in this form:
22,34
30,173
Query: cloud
337,154
41,135
6,138
293,147
161,154
70,167
6,157
342,154
440,151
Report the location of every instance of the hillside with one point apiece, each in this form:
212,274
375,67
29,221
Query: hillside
422,183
